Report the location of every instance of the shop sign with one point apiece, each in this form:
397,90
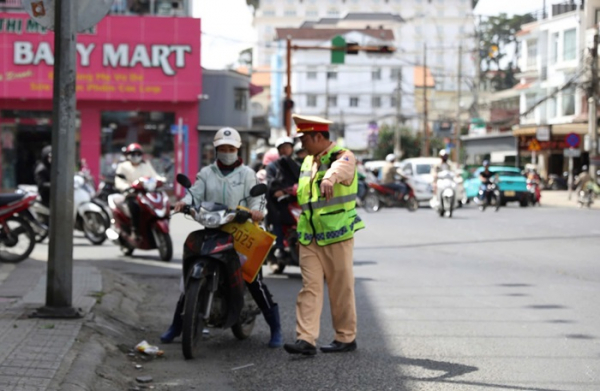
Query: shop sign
571,152
532,144
542,133
122,58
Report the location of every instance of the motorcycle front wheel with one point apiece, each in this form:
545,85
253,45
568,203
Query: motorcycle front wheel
412,204
193,317
94,227
497,200
372,203
164,244
17,240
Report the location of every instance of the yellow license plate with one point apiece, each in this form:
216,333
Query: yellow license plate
509,193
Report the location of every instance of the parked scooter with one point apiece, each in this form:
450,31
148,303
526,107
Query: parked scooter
17,238
215,294
379,195
153,221
490,196
290,254
89,217
39,228
445,200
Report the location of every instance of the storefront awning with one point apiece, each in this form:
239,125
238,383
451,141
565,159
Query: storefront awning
485,144
558,129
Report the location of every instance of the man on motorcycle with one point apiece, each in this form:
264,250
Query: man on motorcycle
583,179
388,175
484,177
228,181
132,169
444,165
42,175
281,174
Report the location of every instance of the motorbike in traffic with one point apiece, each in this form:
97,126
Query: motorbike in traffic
379,196
17,238
215,293
445,200
290,254
534,192
154,217
586,196
90,218
489,195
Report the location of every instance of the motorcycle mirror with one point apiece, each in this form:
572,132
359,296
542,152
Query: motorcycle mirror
184,181
258,190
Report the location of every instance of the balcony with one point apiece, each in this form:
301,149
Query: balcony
150,7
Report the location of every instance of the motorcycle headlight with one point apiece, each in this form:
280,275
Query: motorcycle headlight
209,219
448,193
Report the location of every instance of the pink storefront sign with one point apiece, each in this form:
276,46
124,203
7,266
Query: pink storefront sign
154,59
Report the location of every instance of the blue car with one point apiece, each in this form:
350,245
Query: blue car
510,180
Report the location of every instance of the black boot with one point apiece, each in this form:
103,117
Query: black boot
174,330
272,318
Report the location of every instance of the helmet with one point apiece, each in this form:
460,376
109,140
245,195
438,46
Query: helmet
227,136
390,157
486,163
284,140
584,168
443,153
133,147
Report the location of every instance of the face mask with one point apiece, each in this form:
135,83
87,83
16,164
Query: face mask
136,159
227,158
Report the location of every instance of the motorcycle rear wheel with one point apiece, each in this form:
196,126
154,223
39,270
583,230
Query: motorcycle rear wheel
193,318
19,230
372,203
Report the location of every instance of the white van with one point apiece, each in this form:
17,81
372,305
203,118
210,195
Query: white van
418,173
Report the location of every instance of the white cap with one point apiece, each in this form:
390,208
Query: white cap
390,157
227,136
284,140
443,153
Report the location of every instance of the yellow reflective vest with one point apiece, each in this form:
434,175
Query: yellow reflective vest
326,221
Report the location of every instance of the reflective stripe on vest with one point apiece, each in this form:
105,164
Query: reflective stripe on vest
332,202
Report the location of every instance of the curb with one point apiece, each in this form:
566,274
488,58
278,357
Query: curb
82,373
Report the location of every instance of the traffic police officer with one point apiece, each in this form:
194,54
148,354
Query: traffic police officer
327,194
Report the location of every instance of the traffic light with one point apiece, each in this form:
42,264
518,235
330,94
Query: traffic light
338,56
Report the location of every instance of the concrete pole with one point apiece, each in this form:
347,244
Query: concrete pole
59,290
398,133
593,114
570,178
458,93
425,119
288,88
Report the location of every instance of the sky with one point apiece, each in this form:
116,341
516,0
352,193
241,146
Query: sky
227,25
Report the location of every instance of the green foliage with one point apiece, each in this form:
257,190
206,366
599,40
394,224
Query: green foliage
411,145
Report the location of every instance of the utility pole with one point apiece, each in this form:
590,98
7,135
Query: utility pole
456,155
326,91
59,287
398,133
425,120
593,114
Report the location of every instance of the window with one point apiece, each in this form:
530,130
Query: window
376,101
376,74
268,12
312,13
568,101
332,101
241,99
333,12
531,53
311,74
332,74
530,100
311,100
396,73
289,13
554,47
552,108
569,45
353,101
393,101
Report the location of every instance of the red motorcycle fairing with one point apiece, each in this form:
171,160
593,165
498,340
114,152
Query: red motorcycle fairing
387,191
162,225
11,204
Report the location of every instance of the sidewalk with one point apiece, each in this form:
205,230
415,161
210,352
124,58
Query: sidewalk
34,353
560,198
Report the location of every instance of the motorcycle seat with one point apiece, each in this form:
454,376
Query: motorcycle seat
6,199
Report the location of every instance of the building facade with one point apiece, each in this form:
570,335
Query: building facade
136,78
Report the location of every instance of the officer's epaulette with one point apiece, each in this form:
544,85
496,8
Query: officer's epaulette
335,156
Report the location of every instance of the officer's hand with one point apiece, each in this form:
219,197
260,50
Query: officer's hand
179,206
327,189
279,193
257,215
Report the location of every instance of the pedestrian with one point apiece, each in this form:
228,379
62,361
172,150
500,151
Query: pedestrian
327,193
228,181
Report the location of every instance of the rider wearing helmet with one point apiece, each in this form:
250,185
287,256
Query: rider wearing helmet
444,165
388,174
42,175
228,181
129,171
281,174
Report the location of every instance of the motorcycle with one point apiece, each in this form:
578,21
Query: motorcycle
39,228
533,188
290,254
215,293
489,195
445,200
587,195
153,221
379,195
89,217
17,238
